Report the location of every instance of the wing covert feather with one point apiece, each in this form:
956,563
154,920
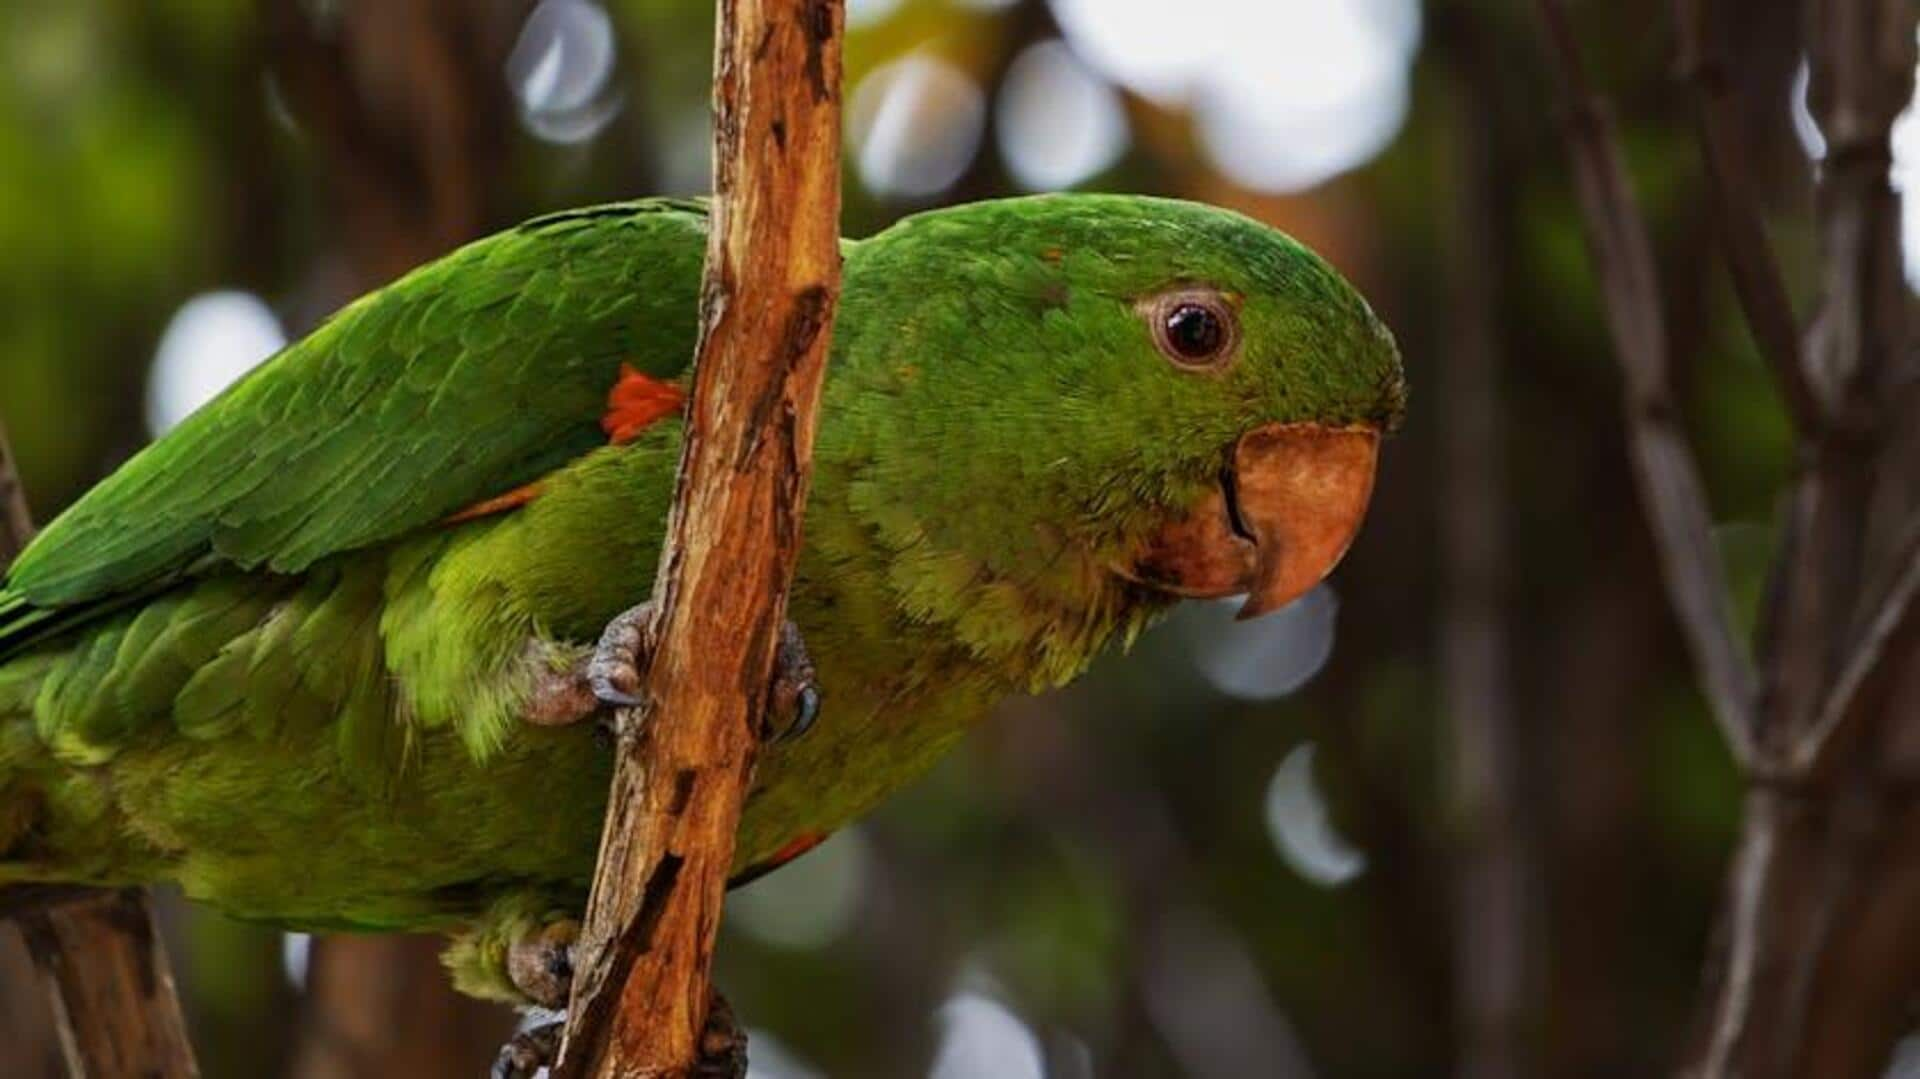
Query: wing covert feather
472,375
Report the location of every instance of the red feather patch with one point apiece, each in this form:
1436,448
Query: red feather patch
636,402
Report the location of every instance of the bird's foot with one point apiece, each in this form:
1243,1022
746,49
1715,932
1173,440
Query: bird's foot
612,676
540,963
793,701
527,1052
723,1045
617,670
613,679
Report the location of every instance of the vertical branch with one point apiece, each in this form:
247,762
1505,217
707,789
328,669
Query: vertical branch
1819,938
1757,280
101,960
1669,479
685,761
1494,923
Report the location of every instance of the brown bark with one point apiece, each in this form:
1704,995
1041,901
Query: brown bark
1818,950
99,957
26,1023
641,990
112,991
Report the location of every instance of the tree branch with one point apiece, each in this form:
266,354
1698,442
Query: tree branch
773,272
1887,635
100,956
1757,280
1669,479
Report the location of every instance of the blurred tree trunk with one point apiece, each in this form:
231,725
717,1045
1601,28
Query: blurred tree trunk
381,1006
26,1024
1495,846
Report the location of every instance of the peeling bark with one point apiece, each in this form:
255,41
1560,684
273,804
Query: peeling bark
685,760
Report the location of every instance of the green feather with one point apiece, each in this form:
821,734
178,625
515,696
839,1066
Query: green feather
253,661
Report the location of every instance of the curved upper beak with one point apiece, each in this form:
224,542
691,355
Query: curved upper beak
1289,504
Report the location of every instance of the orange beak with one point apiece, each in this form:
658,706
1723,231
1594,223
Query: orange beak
1289,503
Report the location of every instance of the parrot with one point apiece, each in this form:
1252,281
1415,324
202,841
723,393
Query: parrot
336,653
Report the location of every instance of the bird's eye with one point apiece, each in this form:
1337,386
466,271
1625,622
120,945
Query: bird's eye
1195,332
1193,327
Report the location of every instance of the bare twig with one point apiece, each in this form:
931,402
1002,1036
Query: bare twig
99,954
1757,279
1850,703
1668,476
773,270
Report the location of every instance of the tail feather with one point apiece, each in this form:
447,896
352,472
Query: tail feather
18,620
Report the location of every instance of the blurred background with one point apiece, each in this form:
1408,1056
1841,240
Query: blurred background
1457,811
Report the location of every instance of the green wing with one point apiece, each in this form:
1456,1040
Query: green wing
468,377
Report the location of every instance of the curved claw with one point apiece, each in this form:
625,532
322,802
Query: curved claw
616,673
527,1052
794,704
723,1045
806,710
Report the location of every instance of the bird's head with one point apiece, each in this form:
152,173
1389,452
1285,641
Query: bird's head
1070,398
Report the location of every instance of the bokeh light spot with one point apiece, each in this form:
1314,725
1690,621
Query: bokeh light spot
212,340
1264,659
296,950
1286,93
1903,175
1060,123
981,1039
1301,828
915,124
559,70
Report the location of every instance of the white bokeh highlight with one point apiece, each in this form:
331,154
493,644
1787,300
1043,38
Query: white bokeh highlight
1286,94
915,124
1059,121
980,1038
209,343
1301,827
560,68
296,953
1265,658
1903,176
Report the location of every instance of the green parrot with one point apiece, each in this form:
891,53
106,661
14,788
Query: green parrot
330,653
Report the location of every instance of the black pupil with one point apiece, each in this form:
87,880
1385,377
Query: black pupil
1194,331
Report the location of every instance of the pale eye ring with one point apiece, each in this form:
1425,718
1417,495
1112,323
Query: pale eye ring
1194,328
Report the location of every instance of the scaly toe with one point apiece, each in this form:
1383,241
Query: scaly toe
527,1052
